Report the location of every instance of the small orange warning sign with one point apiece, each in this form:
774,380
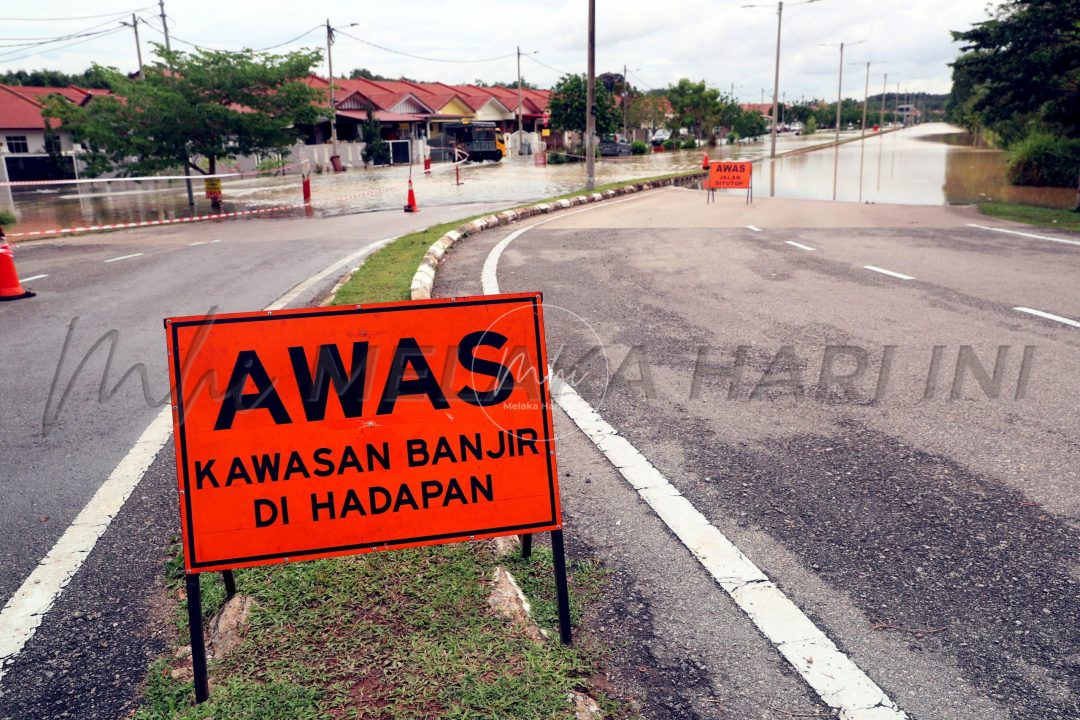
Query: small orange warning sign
729,176
332,431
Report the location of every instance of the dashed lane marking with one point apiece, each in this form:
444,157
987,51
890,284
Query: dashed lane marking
755,229
837,680
890,273
799,245
124,257
35,277
26,609
1063,241
1048,316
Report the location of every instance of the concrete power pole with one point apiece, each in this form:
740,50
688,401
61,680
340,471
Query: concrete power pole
521,145
866,99
590,102
884,91
187,160
839,97
333,107
625,96
134,24
776,77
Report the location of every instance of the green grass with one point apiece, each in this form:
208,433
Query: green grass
404,634
1033,215
387,275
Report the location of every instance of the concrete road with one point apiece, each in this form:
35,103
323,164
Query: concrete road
82,374
876,404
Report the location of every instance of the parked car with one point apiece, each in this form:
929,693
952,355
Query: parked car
660,136
614,145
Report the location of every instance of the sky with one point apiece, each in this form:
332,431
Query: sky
719,41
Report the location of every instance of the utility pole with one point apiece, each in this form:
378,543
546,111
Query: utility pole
138,47
839,94
590,102
776,76
521,147
884,91
333,107
625,96
187,160
164,25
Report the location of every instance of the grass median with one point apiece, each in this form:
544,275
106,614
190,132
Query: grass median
403,635
1033,215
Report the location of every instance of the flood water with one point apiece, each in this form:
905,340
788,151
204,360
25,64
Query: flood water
932,164
928,164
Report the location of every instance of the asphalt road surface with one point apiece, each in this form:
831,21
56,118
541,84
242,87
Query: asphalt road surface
63,430
876,404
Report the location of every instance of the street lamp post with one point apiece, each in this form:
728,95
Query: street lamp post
839,103
330,69
776,68
866,92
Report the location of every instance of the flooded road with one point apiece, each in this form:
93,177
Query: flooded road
927,164
932,164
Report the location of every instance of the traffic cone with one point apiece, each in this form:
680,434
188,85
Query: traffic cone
705,162
10,287
410,201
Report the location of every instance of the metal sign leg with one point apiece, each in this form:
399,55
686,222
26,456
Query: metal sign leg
198,644
230,583
526,545
562,592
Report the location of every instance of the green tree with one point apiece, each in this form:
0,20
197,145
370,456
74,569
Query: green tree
208,104
365,74
750,124
696,106
1020,70
568,102
376,150
647,111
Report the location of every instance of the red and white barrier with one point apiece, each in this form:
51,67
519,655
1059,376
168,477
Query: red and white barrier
149,223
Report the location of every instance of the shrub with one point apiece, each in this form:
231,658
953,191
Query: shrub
6,218
689,144
811,126
1045,160
638,148
671,144
556,158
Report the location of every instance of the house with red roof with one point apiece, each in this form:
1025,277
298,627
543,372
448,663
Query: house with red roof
26,138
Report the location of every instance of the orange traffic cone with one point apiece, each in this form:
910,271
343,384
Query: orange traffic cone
705,162
410,200
10,287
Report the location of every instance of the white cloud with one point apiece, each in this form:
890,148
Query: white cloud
717,40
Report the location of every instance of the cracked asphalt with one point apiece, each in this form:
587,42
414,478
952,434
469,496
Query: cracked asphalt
900,456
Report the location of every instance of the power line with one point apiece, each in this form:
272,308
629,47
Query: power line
549,67
84,32
103,33
66,19
421,57
173,36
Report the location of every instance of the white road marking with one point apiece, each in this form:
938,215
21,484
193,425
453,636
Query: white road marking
1025,234
35,277
26,609
799,245
123,257
1048,316
838,681
755,229
890,273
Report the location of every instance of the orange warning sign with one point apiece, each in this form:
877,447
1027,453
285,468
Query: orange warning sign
333,431
729,175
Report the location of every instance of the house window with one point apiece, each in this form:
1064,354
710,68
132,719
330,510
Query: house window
17,144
